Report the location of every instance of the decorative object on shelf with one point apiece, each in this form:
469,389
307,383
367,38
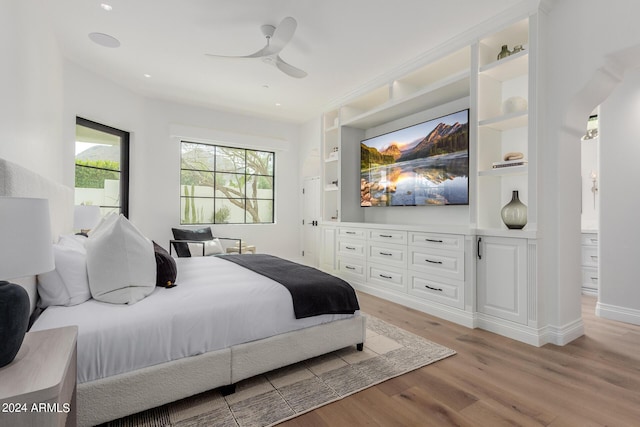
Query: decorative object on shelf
512,158
333,155
517,48
26,250
504,52
513,155
514,213
514,104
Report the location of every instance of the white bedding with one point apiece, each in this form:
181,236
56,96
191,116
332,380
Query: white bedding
216,304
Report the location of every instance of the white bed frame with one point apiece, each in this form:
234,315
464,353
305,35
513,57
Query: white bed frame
114,397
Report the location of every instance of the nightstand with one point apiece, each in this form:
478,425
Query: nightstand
39,387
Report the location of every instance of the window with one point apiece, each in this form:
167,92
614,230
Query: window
225,185
102,167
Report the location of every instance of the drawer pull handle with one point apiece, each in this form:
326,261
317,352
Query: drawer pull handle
385,253
385,277
595,279
386,235
349,232
433,241
433,262
351,248
433,289
348,267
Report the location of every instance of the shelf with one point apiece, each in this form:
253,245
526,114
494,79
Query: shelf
507,121
508,68
449,89
331,188
511,170
333,128
331,159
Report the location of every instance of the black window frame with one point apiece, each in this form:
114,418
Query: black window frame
124,159
214,172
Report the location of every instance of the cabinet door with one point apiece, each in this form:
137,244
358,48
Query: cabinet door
502,278
328,249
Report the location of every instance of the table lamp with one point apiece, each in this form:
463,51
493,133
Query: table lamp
26,250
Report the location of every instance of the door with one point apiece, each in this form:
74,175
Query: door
502,278
311,217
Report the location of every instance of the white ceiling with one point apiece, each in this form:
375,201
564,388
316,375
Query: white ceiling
341,44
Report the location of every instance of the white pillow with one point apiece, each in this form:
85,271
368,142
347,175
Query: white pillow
68,283
211,247
121,262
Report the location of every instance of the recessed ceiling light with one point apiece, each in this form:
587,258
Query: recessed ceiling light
147,75
106,7
278,104
104,40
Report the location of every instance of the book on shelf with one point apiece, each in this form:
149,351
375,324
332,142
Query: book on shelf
509,163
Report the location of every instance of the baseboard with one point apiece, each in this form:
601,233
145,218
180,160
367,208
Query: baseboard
565,334
451,314
620,314
523,333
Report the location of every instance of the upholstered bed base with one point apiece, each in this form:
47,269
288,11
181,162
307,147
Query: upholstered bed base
114,397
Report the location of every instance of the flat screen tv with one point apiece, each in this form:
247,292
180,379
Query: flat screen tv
420,165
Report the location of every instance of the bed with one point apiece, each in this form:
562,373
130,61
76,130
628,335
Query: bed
177,342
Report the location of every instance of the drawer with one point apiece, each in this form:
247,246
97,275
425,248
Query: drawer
352,269
451,242
387,277
590,277
388,254
590,256
354,248
441,290
440,263
589,239
388,236
352,233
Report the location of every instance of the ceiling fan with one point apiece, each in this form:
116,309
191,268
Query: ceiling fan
277,39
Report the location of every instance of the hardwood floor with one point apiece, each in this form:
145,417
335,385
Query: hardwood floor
495,381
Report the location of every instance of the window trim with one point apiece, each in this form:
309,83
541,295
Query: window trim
215,172
124,158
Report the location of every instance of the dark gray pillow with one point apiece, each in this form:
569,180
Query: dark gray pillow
198,234
166,269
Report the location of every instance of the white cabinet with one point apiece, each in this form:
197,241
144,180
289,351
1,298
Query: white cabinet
420,269
501,278
590,263
328,249
352,247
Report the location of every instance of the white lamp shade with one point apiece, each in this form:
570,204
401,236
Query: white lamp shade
25,233
85,217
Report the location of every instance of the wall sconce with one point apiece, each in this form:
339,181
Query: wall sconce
594,187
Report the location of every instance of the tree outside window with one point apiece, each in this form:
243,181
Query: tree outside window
226,185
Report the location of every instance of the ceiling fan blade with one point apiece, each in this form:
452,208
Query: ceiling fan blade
282,35
259,54
289,69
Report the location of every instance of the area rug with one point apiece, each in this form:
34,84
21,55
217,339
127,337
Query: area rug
279,395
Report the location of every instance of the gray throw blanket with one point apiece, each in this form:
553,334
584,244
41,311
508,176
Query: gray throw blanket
313,291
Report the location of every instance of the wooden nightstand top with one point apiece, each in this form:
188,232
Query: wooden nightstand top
39,370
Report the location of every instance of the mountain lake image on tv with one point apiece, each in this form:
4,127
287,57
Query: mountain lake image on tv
421,165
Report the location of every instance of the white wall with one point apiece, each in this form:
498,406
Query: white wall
585,45
31,88
154,204
619,252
